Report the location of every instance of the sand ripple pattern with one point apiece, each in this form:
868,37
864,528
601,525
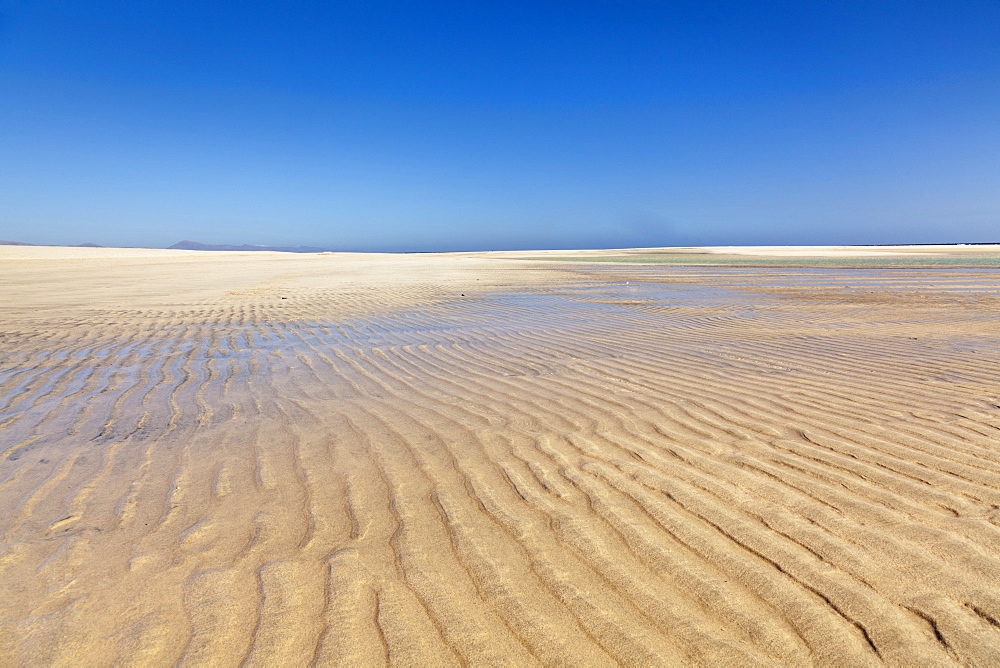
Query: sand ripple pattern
599,474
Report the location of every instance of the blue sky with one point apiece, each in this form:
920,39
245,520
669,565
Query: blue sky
473,125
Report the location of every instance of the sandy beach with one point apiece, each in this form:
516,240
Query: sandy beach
345,459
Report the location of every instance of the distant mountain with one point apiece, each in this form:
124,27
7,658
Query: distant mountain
89,245
194,245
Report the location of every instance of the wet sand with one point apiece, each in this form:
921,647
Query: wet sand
278,459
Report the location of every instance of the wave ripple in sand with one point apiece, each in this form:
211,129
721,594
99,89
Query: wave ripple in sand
596,474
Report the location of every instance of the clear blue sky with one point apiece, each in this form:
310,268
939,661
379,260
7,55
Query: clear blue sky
466,125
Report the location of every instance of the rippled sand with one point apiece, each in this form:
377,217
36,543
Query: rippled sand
271,459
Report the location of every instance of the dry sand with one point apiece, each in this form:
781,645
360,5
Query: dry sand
274,459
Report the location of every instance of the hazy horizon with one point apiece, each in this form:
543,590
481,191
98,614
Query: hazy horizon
398,126
446,249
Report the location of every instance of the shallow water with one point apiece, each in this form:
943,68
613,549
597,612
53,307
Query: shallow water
970,280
